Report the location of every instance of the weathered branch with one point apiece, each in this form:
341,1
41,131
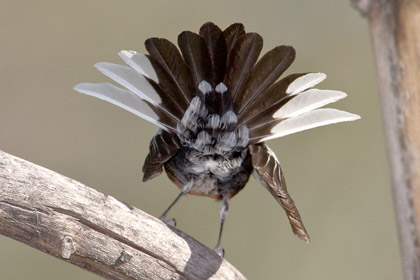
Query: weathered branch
72,222
395,32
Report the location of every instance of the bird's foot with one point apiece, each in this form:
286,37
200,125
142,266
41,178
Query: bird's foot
220,251
169,222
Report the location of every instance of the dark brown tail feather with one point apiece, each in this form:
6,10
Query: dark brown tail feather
267,70
177,79
271,98
241,60
196,55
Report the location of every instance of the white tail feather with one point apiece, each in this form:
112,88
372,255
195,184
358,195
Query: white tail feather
304,82
130,79
140,63
309,120
122,98
308,101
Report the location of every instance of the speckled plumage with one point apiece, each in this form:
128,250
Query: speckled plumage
215,176
216,103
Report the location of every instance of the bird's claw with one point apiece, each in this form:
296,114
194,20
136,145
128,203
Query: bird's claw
220,251
169,222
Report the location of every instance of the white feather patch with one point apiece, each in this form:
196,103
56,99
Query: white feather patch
221,88
205,87
140,62
304,82
308,101
242,133
226,141
213,121
123,98
315,118
203,139
131,79
229,118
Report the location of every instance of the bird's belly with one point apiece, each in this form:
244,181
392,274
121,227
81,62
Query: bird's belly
205,185
209,177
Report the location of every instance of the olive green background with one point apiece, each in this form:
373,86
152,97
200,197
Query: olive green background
337,175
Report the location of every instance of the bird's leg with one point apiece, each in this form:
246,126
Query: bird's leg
223,213
185,189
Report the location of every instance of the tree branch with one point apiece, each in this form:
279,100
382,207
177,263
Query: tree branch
75,223
395,32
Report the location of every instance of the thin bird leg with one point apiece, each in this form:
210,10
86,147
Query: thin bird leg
185,189
223,213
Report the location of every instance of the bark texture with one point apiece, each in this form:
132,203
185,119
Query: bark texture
75,223
395,32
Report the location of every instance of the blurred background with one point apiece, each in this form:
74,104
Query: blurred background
337,174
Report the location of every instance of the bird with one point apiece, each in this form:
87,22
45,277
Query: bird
216,102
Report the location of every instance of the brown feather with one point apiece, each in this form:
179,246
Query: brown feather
232,34
271,98
170,103
261,127
216,45
264,74
256,134
163,147
166,119
196,55
177,78
241,60
268,172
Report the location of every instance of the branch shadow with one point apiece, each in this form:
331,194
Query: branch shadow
203,262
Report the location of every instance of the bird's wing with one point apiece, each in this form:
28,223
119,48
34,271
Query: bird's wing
268,172
163,146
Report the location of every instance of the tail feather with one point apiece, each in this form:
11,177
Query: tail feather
242,58
130,79
274,97
295,105
232,34
168,89
266,117
264,74
307,101
166,56
142,87
290,102
216,46
219,69
304,82
127,100
196,55
140,62
311,119
218,100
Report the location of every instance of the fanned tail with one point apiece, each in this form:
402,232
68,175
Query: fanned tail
222,70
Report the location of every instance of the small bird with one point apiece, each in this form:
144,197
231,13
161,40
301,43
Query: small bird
215,104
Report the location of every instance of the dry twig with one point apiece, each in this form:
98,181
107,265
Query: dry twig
75,223
395,32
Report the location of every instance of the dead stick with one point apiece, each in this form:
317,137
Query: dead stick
75,223
395,32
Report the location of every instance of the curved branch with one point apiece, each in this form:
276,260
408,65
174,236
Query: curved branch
365,7
75,223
